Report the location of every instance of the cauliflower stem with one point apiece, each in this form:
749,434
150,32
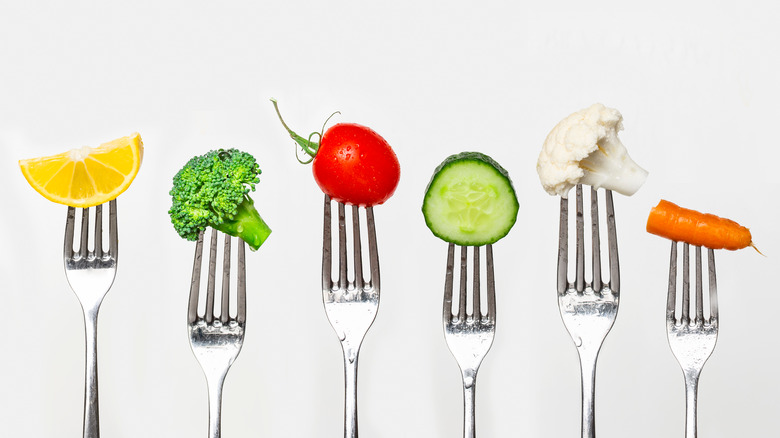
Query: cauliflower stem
609,166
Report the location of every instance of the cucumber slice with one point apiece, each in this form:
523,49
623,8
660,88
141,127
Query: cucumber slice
470,200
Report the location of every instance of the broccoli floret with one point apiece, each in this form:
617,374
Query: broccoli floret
212,190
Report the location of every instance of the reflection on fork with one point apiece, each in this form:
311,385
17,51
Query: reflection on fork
692,339
469,335
588,310
216,340
90,275
350,306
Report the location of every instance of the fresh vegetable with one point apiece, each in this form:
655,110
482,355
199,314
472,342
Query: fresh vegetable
470,200
86,176
584,148
351,163
701,229
212,190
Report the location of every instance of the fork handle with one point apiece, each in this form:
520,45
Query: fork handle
91,423
588,368
215,405
350,392
469,403
691,391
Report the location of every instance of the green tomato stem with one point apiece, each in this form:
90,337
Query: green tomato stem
308,146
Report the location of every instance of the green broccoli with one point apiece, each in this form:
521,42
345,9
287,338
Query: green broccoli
212,190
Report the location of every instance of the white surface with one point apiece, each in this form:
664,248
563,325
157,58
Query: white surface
695,81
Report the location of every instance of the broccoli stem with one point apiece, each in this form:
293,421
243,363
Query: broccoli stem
246,225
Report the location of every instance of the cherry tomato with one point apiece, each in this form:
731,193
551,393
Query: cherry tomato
355,165
351,163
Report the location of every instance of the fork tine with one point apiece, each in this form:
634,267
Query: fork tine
342,247
713,286
699,288
448,280
98,239
686,298
356,246
671,298
192,309
614,260
563,247
83,238
327,260
209,314
476,312
373,253
224,308
113,238
463,279
241,305
491,285
595,240
70,222
580,261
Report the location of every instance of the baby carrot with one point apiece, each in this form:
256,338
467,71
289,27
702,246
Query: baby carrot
700,229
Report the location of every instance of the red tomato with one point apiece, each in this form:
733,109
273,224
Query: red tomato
352,163
355,165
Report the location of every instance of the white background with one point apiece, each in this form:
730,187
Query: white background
695,81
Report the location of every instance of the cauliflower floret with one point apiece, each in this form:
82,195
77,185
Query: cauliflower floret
584,149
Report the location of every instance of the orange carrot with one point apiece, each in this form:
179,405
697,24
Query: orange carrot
700,229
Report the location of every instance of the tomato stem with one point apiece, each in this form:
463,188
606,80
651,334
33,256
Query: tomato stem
308,146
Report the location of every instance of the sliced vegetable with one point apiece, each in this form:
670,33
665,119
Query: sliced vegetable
701,229
470,200
86,176
351,163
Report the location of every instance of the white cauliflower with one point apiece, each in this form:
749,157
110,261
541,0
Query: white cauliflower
584,149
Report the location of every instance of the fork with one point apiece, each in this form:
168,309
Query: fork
588,310
692,340
217,340
469,336
350,306
90,275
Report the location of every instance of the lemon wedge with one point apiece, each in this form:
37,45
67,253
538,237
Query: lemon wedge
85,177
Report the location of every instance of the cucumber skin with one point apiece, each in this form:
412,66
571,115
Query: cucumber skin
481,158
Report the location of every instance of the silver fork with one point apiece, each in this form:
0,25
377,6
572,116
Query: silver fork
350,306
588,310
469,336
692,340
217,340
90,275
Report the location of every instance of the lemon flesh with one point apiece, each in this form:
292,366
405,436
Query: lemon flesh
86,176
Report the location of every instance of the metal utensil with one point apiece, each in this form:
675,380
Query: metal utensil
588,310
90,275
216,340
692,339
350,306
469,335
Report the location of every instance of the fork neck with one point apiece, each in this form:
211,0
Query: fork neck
588,368
91,409
691,402
215,404
91,311
350,392
469,403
